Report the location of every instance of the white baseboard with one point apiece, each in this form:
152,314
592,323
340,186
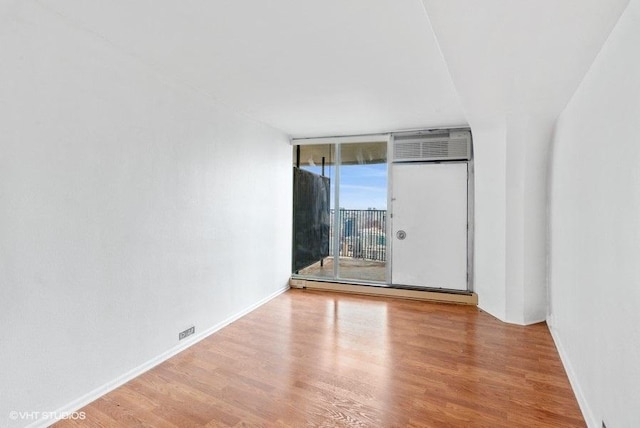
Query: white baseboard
587,414
91,396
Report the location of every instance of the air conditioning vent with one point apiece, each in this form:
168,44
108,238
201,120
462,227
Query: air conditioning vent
455,145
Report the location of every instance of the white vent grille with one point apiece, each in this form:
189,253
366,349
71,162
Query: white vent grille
430,147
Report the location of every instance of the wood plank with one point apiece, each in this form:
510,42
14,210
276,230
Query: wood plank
315,358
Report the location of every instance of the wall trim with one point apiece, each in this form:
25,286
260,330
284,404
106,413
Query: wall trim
587,413
93,395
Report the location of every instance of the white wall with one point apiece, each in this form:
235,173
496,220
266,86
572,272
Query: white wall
510,217
489,146
131,208
515,65
528,140
595,232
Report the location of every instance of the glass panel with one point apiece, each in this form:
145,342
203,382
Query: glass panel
320,160
363,211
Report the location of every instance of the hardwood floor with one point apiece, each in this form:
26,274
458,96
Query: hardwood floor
325,359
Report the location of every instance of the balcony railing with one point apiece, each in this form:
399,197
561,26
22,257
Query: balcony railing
362,234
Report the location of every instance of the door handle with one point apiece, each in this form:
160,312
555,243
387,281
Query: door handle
401,234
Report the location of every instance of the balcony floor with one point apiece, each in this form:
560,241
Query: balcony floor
350,268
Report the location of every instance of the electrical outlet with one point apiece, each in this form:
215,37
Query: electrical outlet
187,332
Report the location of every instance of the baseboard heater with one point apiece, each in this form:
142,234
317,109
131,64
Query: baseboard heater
372,290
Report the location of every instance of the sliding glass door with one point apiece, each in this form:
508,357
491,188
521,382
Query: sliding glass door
357,175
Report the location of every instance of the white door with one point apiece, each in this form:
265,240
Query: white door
430,225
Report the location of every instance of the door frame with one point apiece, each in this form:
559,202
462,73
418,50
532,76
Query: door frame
337,142
389,138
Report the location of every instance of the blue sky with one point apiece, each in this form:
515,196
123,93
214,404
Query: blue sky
361,186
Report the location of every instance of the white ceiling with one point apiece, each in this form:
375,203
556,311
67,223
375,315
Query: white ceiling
511,57
338,67
307,68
